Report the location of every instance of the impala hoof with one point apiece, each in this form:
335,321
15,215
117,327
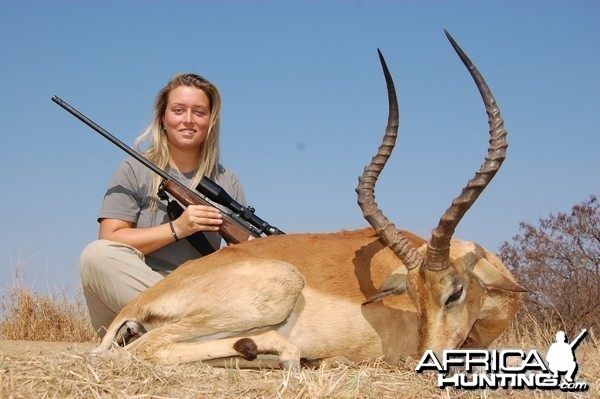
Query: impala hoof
289,365
129,331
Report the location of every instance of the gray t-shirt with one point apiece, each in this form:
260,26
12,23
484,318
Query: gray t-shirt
128,198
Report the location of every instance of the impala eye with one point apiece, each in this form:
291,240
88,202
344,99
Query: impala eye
454,297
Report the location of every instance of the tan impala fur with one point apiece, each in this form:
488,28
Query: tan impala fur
353,295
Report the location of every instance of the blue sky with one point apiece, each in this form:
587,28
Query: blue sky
304,110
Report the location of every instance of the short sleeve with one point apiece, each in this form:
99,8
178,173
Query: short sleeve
124,195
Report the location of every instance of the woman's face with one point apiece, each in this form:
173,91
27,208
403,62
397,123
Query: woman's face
187,117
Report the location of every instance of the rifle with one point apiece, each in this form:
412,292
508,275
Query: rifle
239,226
578,339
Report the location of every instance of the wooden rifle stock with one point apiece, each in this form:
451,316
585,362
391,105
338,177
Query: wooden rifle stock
231,230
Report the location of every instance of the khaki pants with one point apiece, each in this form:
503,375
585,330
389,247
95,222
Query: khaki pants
112,274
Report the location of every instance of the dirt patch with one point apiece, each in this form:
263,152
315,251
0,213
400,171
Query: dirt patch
28,348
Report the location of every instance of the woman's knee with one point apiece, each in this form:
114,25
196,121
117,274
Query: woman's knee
93,255
98,255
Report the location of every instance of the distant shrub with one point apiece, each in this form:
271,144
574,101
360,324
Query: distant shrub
559,261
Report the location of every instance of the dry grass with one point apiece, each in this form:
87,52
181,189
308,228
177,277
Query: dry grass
77,375
73,374
67,371
28,315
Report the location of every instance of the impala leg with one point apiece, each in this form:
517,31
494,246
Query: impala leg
248,347
329,363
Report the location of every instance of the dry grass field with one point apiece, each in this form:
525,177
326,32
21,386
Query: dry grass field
33,366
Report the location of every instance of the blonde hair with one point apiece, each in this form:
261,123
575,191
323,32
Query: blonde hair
155,137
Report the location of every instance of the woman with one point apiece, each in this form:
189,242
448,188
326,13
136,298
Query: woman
138,243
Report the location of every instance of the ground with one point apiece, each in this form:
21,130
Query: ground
31,369
24,348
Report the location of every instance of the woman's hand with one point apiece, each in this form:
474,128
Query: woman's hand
197,218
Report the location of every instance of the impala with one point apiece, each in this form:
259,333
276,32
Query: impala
352,296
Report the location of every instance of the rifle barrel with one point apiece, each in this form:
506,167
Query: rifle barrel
578,339
111,138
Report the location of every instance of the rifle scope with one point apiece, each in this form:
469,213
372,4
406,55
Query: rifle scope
217,194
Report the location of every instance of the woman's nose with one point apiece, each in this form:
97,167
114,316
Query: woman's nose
188,117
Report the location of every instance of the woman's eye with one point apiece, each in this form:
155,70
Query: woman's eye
454,297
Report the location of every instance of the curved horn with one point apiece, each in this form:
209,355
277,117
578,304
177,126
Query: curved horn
366,184
438,249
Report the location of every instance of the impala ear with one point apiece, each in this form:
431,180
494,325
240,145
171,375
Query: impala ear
395,284
490,277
